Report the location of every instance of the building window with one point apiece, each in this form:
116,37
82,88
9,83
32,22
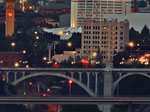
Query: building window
121,47
116,28
121,33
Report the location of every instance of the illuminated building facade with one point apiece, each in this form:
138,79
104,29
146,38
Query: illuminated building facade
109,36
10,17
96,9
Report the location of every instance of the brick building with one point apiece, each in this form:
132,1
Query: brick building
48,10
8,59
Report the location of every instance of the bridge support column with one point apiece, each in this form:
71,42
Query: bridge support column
7,77
58,108
96,84
15,77
107,84
80,78
107,89
88,79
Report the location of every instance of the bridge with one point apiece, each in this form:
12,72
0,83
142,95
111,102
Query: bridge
75,100
95,81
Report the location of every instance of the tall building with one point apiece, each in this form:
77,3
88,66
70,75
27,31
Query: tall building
109,36
10,17
96,9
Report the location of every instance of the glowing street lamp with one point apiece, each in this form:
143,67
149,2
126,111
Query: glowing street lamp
48,89
37,37
30,83
69,44
24,51
94,54
44,58
70,82
131,44
35,32
16,64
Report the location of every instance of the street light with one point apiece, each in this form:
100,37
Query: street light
94,54
44,58
37,37
131,45
69,44
24,51
70,82
16,64
13,44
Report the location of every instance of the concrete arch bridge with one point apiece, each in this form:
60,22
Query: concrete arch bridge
90,79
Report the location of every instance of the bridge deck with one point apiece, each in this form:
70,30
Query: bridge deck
74,100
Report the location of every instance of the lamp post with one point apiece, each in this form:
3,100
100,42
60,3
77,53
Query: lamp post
70,82
13,44
131,45
24,86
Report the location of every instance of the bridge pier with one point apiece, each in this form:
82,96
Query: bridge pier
58,108
96,84
107,89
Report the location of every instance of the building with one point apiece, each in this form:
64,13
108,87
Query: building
9,59
49,10
10,17
61,57
64,20
108,36
96,9
1,1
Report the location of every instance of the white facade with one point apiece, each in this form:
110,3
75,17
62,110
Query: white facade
61,57
96,9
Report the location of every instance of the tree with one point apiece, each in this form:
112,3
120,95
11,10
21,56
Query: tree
99,57
118,58
70,59
145,32
77,59
134,35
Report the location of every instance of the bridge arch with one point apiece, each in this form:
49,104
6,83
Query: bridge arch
91,93
126,75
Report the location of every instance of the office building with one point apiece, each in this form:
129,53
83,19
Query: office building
96,9
109,36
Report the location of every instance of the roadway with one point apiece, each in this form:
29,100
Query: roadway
74,100
77,69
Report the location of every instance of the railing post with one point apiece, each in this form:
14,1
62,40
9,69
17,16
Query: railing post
88,79
80,76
